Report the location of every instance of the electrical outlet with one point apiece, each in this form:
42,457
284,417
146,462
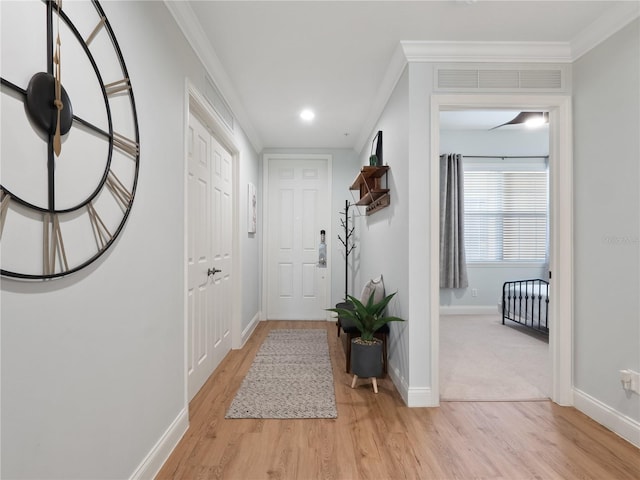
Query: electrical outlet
630,380
474,292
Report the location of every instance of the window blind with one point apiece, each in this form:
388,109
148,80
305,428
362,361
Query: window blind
505,215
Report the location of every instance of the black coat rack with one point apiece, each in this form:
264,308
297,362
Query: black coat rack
348,244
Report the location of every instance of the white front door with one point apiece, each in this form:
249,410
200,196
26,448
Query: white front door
297,208
209,210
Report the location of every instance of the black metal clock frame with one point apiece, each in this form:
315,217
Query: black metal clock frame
109,135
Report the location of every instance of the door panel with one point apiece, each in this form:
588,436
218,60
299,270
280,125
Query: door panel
222,254
199,255
209,233
297,204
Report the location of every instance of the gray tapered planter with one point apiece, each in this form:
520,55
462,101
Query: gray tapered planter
366,360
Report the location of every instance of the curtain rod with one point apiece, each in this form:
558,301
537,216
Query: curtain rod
505,156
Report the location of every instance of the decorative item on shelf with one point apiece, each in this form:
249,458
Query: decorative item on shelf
366,350
375,160
372,195
58,219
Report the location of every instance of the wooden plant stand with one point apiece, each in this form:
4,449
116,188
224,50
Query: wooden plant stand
374,382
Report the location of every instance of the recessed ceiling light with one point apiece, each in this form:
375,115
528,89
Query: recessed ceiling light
536,121
307,115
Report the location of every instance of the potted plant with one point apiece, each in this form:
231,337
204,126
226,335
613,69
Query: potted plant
366,350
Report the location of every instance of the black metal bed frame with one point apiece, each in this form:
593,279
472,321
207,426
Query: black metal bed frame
518,304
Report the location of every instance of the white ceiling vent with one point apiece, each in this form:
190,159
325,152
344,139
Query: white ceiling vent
212,94
541,79
503,79
498,79
457,78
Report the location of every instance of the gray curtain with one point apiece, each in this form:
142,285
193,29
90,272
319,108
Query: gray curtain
453,264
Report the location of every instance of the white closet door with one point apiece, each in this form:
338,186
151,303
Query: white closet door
209,254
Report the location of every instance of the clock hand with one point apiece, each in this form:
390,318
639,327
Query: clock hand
20,93
57,143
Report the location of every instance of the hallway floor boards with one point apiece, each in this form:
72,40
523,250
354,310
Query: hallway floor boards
378,437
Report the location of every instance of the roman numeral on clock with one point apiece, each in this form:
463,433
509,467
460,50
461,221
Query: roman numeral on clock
100,230
119,191
96,30
53,246
125,145
117,87
4,207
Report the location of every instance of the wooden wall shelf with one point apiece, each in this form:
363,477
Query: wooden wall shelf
372,195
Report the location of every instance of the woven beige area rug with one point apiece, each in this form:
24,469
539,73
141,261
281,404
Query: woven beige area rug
291,377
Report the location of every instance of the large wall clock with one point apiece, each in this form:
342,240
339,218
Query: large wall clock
70,143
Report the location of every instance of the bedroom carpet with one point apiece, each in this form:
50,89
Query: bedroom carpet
483,360
291,377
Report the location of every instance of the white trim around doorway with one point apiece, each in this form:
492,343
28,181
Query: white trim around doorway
196,103
561,226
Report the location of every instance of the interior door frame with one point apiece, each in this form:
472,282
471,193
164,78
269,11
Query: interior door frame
561,226
267,157
197,104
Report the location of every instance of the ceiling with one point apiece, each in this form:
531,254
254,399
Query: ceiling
276,58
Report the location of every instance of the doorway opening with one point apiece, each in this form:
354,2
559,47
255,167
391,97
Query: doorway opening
504,232
560,227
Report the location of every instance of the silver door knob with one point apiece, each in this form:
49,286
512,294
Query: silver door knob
212,271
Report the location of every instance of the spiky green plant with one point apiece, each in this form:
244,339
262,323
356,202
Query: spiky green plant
367,318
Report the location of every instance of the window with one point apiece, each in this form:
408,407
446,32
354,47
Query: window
505,211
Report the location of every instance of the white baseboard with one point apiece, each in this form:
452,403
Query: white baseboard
247,332
153,462
413,397
421,397
469,310
620,424
398,381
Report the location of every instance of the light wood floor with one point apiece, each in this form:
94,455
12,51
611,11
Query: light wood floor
377,437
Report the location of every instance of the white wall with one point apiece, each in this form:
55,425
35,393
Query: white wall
487,279
384,243
421,219
250,243
606,247
607,211
93,364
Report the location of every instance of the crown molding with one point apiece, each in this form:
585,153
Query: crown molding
445,52
188,23
605,26
412,51
495,52
481,52
390,79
